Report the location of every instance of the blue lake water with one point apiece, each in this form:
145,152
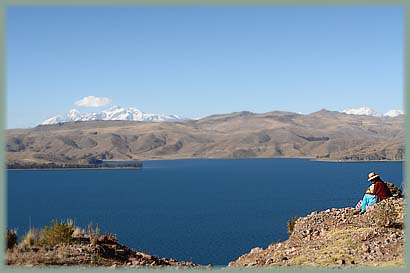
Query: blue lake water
207,211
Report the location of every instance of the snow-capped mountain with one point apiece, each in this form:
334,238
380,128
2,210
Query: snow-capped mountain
113,113
393,113
362,111
370,112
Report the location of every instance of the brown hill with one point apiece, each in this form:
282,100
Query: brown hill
323,134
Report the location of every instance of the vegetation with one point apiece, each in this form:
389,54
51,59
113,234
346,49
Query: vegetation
56,233
48,247
79,232
394,189
385,214
291,225
31,238
11,238
93,233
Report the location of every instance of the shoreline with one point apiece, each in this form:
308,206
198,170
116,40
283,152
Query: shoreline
199,158
357,161
73,169
308,158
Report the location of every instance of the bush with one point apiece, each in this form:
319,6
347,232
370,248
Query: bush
11,238
291,225
57,233
395,191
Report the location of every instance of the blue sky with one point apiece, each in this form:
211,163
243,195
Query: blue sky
196,61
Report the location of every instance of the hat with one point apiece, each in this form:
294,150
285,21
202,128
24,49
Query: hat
372,176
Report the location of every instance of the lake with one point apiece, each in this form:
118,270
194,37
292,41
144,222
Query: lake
209,211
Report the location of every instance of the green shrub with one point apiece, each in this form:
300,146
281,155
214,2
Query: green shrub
57,233
291,225
11,238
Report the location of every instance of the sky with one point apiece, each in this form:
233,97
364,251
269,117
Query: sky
198,61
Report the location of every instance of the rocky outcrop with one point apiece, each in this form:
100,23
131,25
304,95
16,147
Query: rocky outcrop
337,237
106,251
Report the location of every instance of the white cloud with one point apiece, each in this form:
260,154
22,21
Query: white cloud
92,101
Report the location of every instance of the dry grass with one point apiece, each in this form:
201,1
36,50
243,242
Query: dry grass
93,233
78,232
31,238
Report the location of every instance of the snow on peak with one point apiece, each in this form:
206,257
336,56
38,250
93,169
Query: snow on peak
54,120
362,111
74,115
370,112
113,113
393,113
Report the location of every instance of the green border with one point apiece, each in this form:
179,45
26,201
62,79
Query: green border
3,176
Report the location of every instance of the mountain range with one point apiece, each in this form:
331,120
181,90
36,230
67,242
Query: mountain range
367,111
327,135
120,113
113,113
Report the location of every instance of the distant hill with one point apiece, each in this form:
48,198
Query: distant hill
323,134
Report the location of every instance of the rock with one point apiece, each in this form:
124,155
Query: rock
366,248
268,261
80,252
256,250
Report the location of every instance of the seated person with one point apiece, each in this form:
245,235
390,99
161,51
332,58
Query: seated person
380,189
377,192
